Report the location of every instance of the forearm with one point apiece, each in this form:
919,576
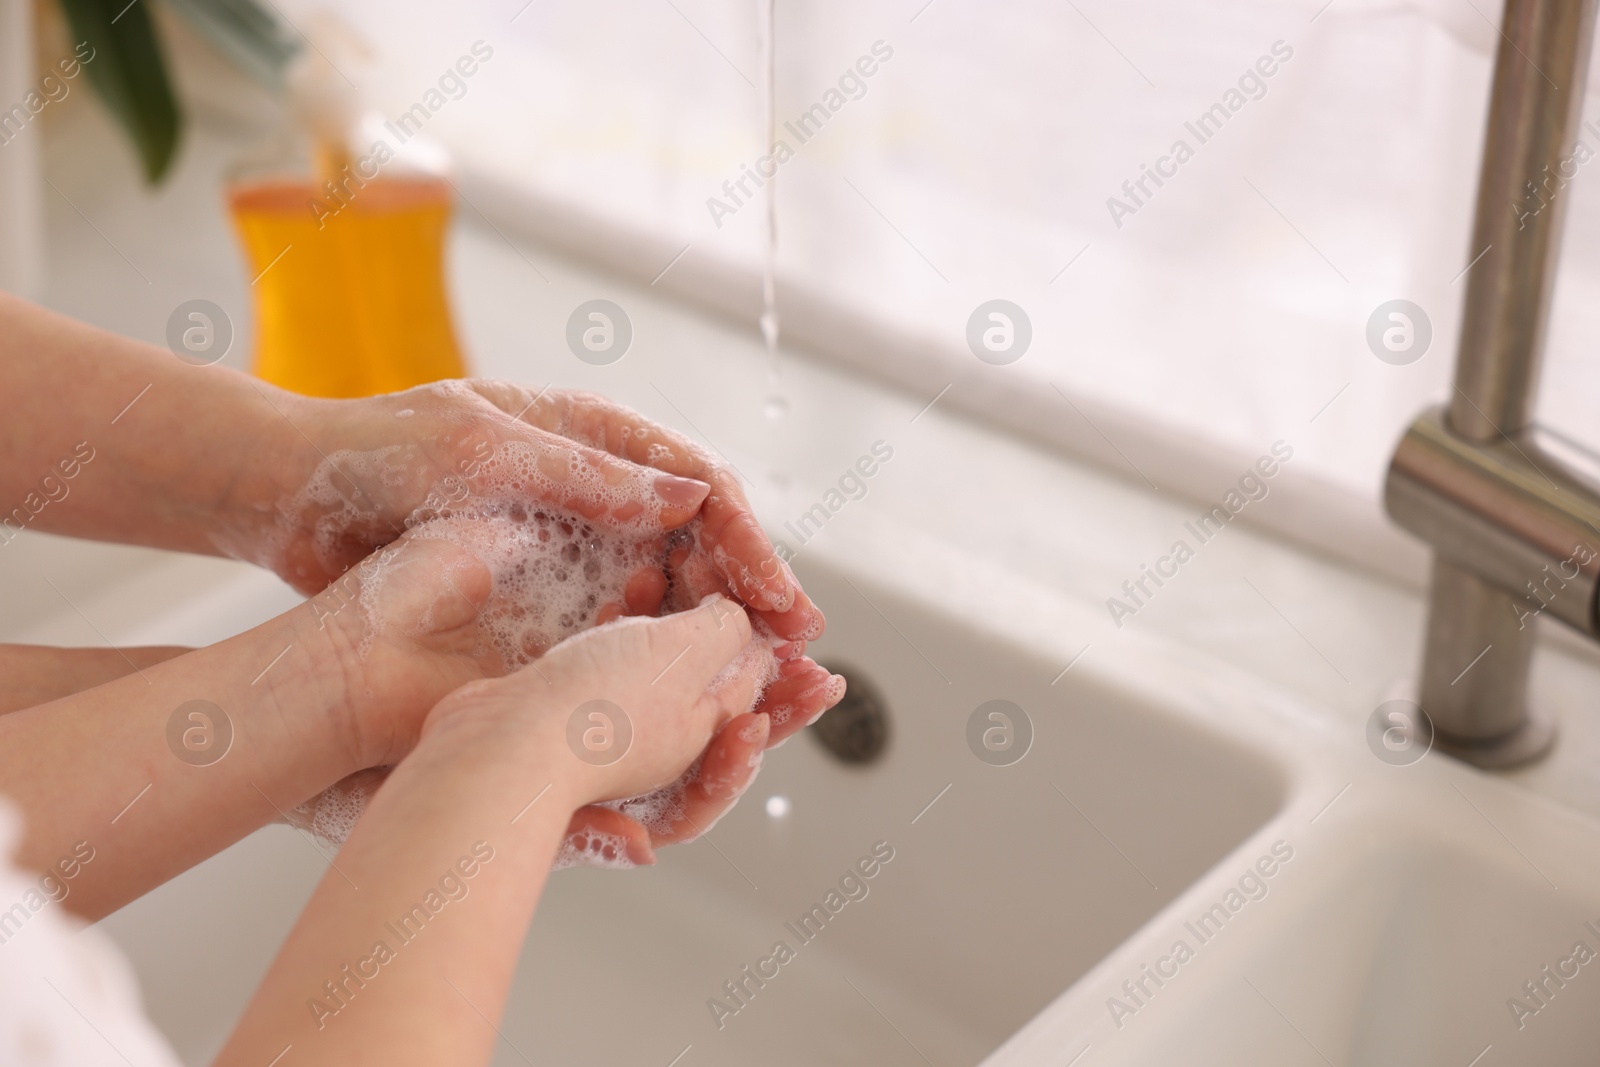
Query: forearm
122,768
358,982
37,674
492,770
112,439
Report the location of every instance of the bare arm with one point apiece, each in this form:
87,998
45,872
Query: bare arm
406,964
98,767
77,459
165,766
36,674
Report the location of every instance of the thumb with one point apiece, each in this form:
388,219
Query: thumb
672,659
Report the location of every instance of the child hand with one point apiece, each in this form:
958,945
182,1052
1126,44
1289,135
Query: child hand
662,689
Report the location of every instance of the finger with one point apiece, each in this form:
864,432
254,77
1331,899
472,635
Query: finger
681,654
601,837
741,548
641,595
644,592
802,691
598,483
802,622
738,544
602,487
730,764
694,576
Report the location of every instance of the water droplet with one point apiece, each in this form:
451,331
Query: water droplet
769,329
775,408
778,807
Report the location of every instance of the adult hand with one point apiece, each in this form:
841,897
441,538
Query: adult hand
381,463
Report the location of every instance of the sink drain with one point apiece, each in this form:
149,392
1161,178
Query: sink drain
856,730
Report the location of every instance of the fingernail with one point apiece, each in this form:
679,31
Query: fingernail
681,492
641,853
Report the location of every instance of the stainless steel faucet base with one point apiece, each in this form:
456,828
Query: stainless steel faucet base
1525,744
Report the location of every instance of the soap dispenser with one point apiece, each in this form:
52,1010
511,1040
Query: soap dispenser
344,232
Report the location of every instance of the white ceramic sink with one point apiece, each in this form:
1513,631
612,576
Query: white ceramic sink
1007,883
1418,902
1335,909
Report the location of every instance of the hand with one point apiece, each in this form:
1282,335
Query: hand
485,753
383,462
738,546
426,580
681,680
799,692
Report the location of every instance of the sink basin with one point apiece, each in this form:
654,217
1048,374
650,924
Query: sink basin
1420,904
993,888
1000,894
1337,909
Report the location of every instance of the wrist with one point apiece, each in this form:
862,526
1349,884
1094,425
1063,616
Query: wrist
286,711
326,683
478,726
273,455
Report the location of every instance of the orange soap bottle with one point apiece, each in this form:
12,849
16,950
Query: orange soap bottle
346,253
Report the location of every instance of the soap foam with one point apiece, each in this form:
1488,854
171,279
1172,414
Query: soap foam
552,572
348,498
590,848
333,813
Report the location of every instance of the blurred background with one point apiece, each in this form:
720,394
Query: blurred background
1225,311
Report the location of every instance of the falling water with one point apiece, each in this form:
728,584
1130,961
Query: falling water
776,406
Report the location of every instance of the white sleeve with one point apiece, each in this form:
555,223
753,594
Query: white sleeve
67,996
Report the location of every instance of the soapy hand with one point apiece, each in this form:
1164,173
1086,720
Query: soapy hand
739,549
381,464
493,584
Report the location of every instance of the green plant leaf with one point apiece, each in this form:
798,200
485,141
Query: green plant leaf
129,73
244,31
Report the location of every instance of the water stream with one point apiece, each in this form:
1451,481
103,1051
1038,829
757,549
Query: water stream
776,405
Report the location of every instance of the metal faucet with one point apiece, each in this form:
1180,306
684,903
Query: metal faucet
1511,511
